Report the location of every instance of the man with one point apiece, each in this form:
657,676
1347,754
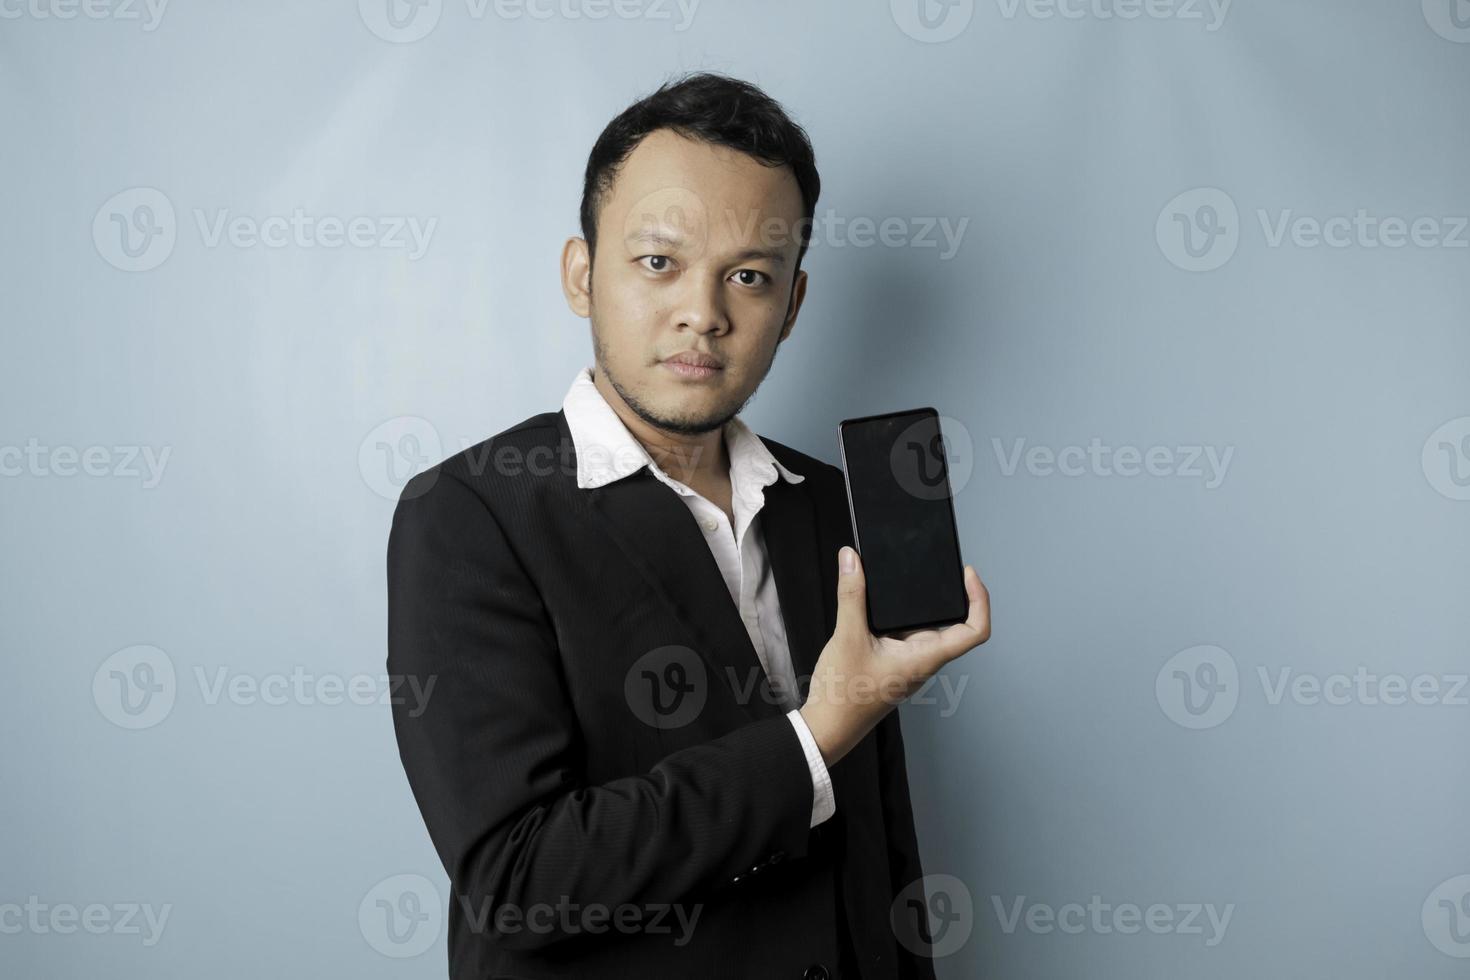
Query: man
661,741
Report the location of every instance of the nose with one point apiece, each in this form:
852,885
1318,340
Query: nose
701,305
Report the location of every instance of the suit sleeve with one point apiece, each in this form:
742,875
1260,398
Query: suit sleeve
494,753
903,845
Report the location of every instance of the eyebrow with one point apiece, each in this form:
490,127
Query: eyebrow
659,238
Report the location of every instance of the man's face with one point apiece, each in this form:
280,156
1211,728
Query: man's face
696,251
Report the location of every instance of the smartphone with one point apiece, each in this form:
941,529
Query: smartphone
903,523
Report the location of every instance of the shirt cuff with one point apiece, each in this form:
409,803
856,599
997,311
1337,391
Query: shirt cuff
824,804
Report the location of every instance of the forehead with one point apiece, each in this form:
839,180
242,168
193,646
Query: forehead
668,178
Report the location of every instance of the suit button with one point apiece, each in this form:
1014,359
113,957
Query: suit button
815,972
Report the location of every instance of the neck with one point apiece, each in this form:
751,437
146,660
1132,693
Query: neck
691,459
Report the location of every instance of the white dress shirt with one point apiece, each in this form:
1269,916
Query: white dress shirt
607,451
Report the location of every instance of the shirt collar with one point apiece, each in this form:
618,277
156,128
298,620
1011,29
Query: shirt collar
607,451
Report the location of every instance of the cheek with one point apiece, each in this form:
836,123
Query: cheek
763,319
624,300
766,308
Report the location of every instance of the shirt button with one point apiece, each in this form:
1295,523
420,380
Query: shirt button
710,524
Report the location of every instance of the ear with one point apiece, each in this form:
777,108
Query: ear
576,276
793,305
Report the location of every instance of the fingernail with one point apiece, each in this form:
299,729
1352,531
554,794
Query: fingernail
847,560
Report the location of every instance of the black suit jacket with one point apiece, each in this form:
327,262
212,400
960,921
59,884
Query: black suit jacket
547,774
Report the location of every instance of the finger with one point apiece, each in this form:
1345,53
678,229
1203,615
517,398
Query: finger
979,617
852,606
976,627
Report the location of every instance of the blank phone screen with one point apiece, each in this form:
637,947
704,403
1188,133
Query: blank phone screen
903,520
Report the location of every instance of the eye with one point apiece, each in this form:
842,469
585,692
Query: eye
656,258
761,281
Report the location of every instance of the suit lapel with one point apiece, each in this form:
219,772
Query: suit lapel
788,524
659,536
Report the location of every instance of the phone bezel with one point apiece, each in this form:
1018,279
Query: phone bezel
852,513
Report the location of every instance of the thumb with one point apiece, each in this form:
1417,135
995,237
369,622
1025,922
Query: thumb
852,610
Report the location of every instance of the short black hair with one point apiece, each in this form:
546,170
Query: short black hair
715,108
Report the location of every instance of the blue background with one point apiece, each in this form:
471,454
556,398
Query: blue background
1336,377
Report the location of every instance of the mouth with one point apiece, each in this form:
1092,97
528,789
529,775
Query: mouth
693,366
